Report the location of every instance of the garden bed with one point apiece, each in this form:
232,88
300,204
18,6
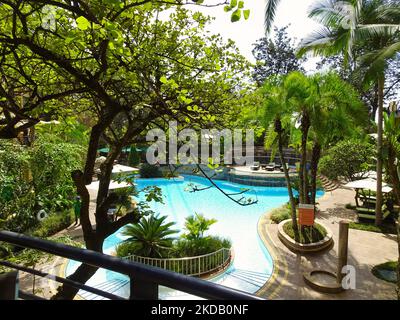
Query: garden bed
311,241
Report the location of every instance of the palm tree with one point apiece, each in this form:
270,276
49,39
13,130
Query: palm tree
369,28
151,237
340,114
277,119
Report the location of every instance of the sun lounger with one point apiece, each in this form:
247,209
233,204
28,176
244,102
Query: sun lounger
255,166
270,166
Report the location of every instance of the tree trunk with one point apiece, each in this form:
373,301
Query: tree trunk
303,185
379,198
316,154
82,274
278,129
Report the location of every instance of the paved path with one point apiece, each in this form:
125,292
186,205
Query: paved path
366,249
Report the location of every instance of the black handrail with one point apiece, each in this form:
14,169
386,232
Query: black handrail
137,272
69,282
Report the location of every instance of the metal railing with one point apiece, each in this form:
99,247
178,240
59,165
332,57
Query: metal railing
144,280
190,266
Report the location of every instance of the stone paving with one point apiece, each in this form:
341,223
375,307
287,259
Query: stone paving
366,249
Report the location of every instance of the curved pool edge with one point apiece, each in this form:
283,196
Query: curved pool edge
279,266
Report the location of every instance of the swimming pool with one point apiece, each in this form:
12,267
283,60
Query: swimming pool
252,265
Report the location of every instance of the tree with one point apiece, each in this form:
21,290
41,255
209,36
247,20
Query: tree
373,25
151,237
276,118
370,94
133,71
317,111
347,159
275,57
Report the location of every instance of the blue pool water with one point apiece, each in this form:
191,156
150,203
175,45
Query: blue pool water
252,265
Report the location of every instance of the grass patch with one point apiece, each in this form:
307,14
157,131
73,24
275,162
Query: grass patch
385,271
350,206
384,228
307,234
280,214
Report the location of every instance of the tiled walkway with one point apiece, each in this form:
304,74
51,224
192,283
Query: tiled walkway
366,249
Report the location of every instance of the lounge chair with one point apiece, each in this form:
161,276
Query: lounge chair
255,166
270,166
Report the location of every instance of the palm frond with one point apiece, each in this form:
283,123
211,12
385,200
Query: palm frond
270,11
375,62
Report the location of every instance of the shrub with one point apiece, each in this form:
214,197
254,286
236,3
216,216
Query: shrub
54,223
346,159
150,171
151,237
280,214
197,247
125,249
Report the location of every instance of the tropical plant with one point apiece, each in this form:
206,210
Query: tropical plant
277,120
270,11
151,237
370,29
196,225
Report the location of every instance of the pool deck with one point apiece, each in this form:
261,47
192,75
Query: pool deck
246,171
366,249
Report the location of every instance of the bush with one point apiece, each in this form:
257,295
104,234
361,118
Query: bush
32,178
53,223
125,249
346,159
197,247
280,214
150,171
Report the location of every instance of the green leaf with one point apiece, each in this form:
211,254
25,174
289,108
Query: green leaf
236,15
82,23
234,3
163,80
241,5
246,14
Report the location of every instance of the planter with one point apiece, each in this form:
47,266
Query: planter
294,246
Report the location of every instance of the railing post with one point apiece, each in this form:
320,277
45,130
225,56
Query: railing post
143,290
9,286
198,261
